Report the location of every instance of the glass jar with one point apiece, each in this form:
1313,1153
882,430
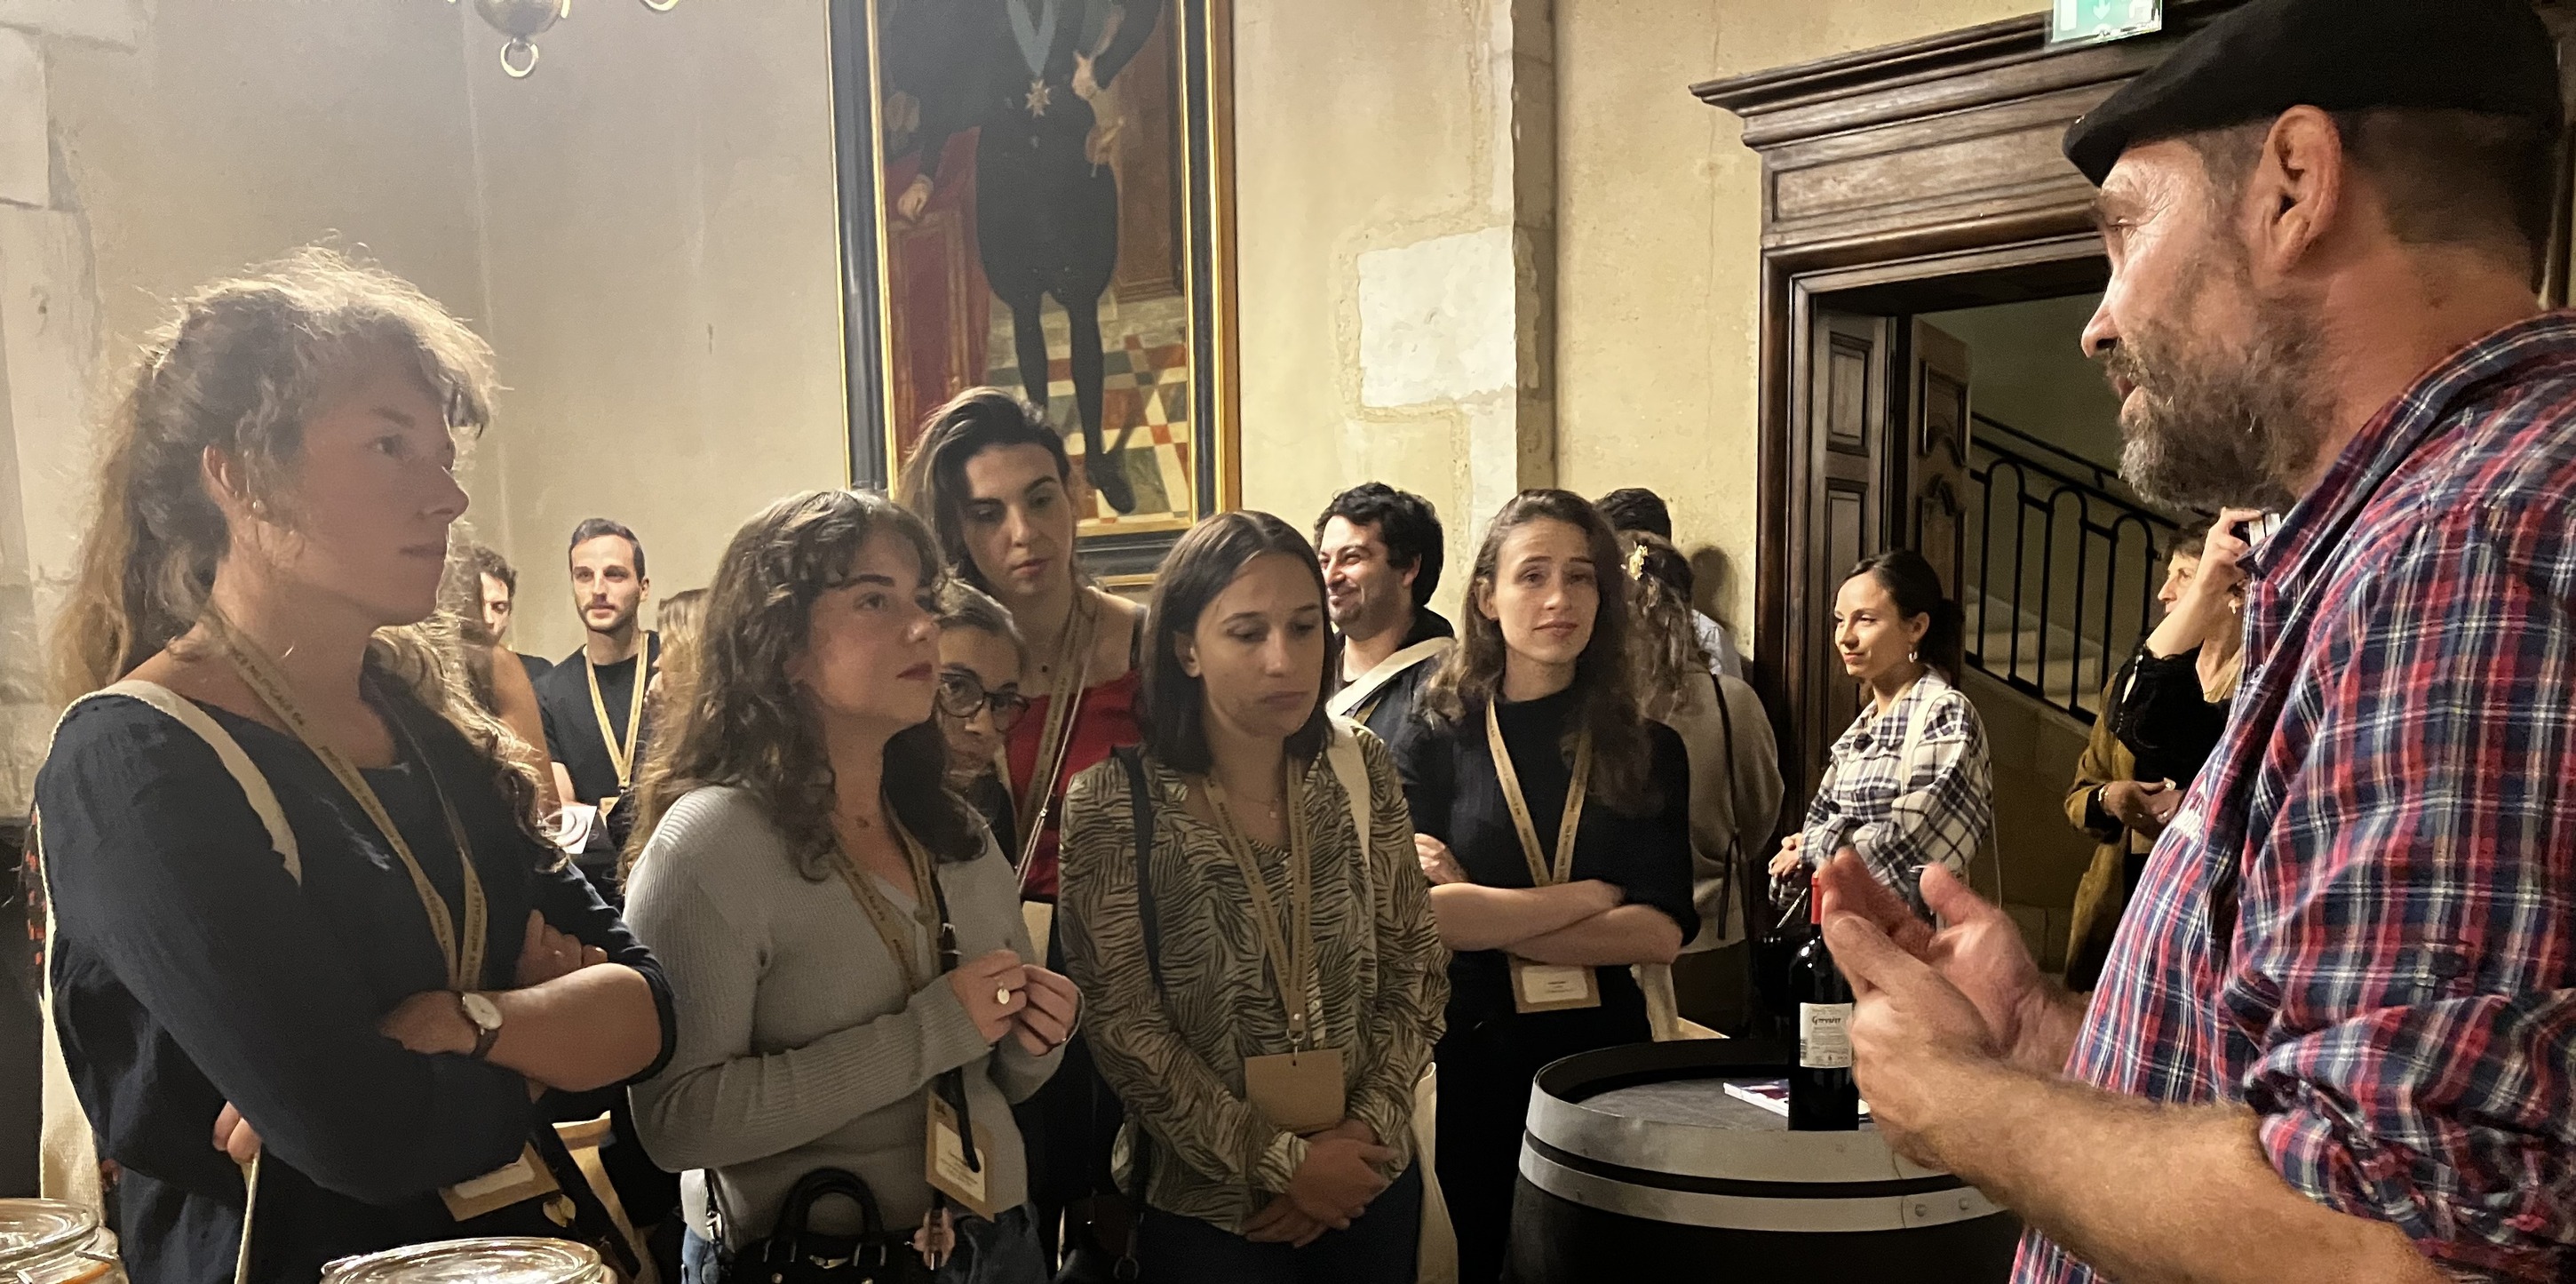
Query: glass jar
44,1241
474,1261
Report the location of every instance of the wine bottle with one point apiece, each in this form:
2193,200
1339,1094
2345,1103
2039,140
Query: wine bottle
1822,1096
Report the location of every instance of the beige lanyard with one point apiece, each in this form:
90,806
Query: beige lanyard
464,959
1292,969
1055,736
1540,874
620,756
881,912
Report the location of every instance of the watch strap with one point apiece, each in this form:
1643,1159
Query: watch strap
484,1035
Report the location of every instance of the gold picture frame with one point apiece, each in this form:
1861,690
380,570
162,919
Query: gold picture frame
918,87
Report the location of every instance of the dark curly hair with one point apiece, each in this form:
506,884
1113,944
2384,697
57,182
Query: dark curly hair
1405,522
1605,684
741,722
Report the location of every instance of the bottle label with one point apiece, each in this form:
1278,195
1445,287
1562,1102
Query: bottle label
1824,1036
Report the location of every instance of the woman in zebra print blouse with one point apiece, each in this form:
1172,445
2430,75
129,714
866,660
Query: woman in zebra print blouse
1265,1003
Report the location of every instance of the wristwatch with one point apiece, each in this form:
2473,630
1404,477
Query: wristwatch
485,1016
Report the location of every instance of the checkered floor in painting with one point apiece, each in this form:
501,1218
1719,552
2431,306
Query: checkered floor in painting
1144,394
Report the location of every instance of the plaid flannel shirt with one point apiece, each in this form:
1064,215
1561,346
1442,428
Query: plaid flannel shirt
1902,812
2363,922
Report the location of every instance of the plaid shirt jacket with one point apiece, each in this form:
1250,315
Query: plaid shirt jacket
1901,811
2363,922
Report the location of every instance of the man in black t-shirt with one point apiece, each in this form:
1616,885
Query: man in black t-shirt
1381,553
593,699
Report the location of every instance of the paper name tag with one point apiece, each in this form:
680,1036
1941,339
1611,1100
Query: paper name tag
1298,1091
517,1181
1552,987
944,1163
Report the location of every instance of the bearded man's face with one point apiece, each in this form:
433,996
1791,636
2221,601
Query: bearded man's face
2217,380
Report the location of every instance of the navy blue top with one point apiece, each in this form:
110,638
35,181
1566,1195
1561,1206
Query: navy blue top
190,970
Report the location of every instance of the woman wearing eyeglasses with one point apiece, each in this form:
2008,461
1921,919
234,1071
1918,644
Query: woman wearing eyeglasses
992,480
980,659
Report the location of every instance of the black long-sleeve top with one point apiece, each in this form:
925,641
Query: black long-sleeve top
986,80
190,970
1456,797
2163,717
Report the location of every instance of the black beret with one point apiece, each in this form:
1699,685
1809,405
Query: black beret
2488,56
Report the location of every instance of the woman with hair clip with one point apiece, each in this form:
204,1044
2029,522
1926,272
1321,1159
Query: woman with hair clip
309,958
1908,784
1734,773
856,1008
992,481
1242,902
1554,824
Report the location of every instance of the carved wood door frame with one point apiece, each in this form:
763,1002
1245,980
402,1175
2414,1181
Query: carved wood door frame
1908,179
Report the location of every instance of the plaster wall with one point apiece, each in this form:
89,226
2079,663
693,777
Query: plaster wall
1659,261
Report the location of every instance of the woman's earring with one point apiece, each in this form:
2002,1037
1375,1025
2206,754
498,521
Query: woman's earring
1914,656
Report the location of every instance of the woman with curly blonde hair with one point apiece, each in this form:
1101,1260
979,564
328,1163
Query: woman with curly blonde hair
308,952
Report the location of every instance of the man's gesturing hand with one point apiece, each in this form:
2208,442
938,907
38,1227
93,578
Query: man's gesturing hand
1979,953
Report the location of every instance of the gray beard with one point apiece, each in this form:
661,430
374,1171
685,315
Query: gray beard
2234,430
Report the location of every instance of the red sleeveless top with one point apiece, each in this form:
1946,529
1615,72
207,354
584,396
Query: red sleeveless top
1105,720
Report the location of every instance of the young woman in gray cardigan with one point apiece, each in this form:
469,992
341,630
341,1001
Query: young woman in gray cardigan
792,819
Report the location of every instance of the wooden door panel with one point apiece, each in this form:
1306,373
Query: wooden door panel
1852,434
1936,474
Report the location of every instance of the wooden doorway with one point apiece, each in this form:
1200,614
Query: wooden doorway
1896,181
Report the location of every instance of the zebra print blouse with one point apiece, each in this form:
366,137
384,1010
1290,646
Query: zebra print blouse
1176,1060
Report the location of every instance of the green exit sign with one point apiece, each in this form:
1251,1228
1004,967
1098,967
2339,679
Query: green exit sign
2086,22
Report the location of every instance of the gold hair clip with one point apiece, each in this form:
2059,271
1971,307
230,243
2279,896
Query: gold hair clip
1637,562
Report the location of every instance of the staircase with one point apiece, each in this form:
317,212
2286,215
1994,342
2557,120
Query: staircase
2060,570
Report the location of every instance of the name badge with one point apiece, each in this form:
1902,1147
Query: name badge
515,1182
1298,1091
1552,987
944,1163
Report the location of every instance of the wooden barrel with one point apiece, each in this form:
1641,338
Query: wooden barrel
1639,1164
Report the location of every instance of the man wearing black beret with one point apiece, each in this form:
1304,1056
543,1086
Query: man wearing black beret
2336,1037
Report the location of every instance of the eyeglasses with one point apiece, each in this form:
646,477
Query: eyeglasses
962,694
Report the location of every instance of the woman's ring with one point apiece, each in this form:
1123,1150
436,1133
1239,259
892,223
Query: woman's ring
1002,996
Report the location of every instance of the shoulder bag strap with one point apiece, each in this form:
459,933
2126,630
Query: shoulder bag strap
254,784
1916,723
263,801
1140,799
1365,688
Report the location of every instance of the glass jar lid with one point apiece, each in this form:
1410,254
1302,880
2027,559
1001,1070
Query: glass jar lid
42,1230
472,1261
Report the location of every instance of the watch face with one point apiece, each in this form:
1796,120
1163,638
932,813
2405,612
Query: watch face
482,1012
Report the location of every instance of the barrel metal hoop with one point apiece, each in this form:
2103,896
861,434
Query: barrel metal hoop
1750,1189
1809,1215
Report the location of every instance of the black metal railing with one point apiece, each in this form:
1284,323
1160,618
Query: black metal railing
2062,567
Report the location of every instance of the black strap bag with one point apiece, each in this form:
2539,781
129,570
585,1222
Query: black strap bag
796,1253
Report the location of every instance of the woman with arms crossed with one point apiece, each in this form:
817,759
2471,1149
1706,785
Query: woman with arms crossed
1554,824
1266,982
804,870
300,903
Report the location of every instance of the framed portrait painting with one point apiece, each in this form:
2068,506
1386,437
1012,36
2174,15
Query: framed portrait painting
1037,195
